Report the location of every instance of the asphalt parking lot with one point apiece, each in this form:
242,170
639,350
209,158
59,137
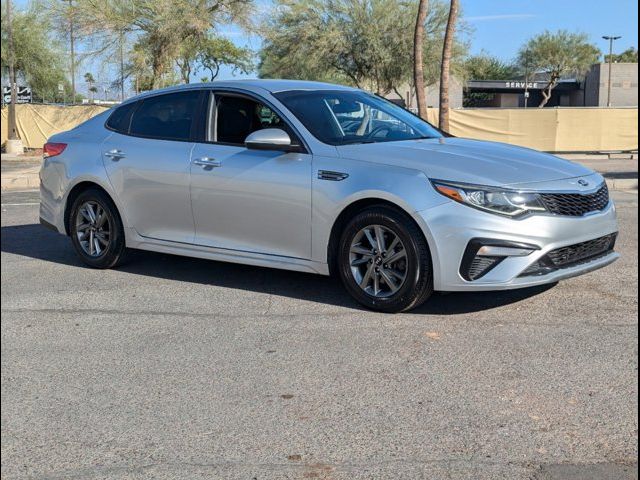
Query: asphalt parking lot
181,368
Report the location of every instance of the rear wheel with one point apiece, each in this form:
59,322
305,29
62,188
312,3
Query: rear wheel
384,260
96,230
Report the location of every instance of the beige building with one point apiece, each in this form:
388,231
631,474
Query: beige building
624,85
591,91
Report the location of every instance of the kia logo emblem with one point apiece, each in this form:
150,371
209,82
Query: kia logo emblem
584,183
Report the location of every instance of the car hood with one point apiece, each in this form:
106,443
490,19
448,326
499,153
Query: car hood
468,161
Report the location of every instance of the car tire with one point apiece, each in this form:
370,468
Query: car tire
108,248
395,294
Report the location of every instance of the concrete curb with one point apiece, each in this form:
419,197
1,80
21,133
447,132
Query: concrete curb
21,182
622,183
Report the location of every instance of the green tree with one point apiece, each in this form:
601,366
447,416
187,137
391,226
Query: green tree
486,67
91,85
630,55
62,21
38,56
209,53
558,54
162,30
366,43
138,69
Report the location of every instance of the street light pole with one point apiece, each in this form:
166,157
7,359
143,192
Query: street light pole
526,79
611,40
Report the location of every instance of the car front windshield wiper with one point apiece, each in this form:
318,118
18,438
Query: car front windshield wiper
424,137
358,141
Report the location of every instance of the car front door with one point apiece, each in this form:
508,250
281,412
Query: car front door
148,165
249,200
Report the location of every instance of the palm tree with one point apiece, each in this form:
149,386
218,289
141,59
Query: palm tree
446,64
88,77
418,67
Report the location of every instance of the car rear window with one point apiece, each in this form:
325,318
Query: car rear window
167,117
121,118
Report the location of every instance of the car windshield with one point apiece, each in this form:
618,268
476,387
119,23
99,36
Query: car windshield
346,117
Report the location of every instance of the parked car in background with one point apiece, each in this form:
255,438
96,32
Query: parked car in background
325,179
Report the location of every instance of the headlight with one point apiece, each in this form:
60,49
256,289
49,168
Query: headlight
495,200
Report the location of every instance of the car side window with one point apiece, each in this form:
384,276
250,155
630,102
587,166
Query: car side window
237,117
168,117
120,118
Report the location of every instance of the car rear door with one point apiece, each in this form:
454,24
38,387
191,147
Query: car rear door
147,161
249,200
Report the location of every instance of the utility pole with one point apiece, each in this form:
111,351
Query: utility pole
611,39
14,145
72,52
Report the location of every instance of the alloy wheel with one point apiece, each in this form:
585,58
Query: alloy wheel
378,261
93,229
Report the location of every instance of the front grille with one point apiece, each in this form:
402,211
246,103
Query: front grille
571,256
576,204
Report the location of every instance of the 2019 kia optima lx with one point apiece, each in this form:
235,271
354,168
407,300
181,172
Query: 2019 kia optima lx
326,179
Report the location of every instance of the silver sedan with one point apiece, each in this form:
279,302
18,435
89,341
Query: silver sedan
325,179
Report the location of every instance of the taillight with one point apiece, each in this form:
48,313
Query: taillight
52,149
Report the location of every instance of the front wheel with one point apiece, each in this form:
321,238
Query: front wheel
384,261
96,230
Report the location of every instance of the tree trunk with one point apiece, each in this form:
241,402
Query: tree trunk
214,69
546,91
418,67
185,69
72,52
158,71
12,124
121,52
160,60
449,38
398,93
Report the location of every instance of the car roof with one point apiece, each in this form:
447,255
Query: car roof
271,86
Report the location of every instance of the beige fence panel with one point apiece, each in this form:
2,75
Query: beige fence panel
597,129
548,129
36,123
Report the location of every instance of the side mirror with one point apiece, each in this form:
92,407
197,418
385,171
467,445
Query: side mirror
270,139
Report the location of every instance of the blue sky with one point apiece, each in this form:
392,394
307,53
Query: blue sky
498,27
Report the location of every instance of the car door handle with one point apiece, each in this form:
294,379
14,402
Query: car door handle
207,162
115,154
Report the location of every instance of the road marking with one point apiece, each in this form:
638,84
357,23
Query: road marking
17,204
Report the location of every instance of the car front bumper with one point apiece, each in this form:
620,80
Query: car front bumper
451,226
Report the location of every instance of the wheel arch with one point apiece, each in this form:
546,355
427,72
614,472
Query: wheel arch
75,191
352,209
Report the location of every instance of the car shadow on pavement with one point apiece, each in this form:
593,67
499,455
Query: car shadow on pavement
34,241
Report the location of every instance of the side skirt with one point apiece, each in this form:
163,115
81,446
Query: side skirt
134,240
